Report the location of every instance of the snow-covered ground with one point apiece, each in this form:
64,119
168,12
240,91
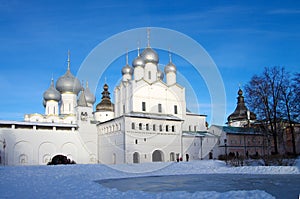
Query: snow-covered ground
78,181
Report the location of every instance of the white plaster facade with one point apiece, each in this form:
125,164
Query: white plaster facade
149,122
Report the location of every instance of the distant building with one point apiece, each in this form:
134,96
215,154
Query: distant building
240,136
241,116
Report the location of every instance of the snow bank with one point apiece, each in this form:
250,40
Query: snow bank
78,181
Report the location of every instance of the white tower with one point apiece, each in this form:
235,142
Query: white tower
69,87
170,71
138,65
151,60
127,70
51,99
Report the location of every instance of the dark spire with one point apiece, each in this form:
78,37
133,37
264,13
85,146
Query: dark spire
105,104
240,112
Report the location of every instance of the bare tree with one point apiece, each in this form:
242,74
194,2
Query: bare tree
296,88
290,103
263,94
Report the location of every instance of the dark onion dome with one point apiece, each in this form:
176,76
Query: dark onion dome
51,93
68,83
127,70
170,67
240,113
149,55
160,74
105,104
89,96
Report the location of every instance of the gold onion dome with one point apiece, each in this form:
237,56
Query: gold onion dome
51,93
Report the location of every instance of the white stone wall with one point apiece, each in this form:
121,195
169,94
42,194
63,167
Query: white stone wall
36,145
111,142
194,122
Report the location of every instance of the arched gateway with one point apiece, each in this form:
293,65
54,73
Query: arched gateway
157,156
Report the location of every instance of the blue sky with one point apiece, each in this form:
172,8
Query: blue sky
242,37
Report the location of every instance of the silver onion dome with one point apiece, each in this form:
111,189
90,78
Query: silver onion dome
89,96
68,83
138,61
127,70
170,67
149,55
51,93
160,74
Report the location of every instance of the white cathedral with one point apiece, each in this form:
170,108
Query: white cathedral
148,122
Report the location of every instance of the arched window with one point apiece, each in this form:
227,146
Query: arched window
132,125
136,141
140,126
154,127
160,128
147,127
172,156
136,157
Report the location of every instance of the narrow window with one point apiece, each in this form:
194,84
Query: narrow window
132,125
154,127
143,106
175,109
159,108
167,128
160,127
123,108
195,128
173,128
136,141
149,74
140,126
147,127
190,128
145,139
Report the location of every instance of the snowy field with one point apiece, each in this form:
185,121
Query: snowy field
79,181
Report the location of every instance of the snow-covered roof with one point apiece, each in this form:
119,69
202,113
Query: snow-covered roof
8,122
239,130
153,116
197,134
